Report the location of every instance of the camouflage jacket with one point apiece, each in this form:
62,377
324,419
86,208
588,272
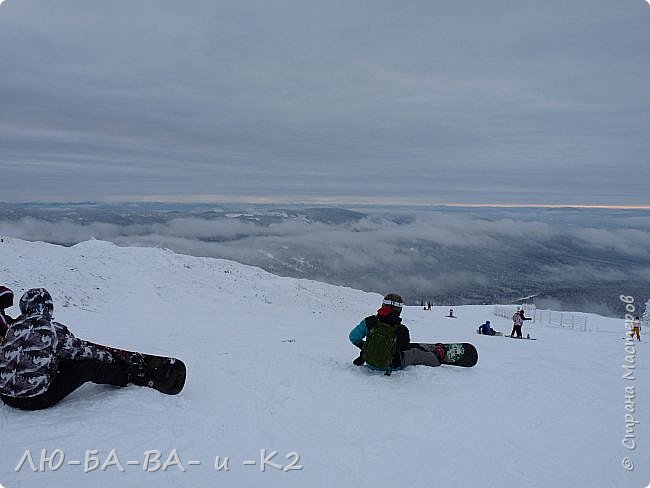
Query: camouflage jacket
31,351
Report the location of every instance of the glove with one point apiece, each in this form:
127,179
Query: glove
360,360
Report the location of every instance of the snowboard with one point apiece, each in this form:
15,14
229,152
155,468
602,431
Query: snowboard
522,338
165,374
492,335
457,353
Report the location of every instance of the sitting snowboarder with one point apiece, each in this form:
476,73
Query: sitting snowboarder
388,343
486,329
41,362
6,301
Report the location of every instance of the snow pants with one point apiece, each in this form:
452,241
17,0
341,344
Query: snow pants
70,376
516,329
416,355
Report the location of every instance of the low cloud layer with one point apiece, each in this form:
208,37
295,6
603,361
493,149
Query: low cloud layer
445,255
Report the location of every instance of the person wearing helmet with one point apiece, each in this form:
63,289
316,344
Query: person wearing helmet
6,301
41,361
385,342
486,329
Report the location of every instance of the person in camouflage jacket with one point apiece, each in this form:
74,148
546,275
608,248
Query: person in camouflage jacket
41,361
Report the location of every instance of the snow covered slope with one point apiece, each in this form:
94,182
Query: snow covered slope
270,369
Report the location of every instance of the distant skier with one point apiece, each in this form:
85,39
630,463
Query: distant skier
517,321
41,361
451,313
486,329
387,345
636,328
6,301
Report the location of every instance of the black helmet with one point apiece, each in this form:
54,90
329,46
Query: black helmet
37,301
394,301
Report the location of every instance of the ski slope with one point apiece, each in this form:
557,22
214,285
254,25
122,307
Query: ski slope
269,368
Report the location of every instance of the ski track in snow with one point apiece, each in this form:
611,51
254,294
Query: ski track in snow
269,367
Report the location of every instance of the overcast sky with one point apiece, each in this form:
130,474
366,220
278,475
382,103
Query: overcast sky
419,101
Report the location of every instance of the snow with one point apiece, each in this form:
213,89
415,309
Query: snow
269,367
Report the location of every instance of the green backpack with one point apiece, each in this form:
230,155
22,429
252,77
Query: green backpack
381,345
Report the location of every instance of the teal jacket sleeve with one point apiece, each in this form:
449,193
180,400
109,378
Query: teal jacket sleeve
359,333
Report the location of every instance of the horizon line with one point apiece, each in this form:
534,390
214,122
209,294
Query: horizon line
337,200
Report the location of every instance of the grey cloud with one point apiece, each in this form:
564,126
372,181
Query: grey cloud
506,102
630,241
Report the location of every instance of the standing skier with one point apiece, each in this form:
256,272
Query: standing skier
6,301
41,361
517,321
636,328
388,343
